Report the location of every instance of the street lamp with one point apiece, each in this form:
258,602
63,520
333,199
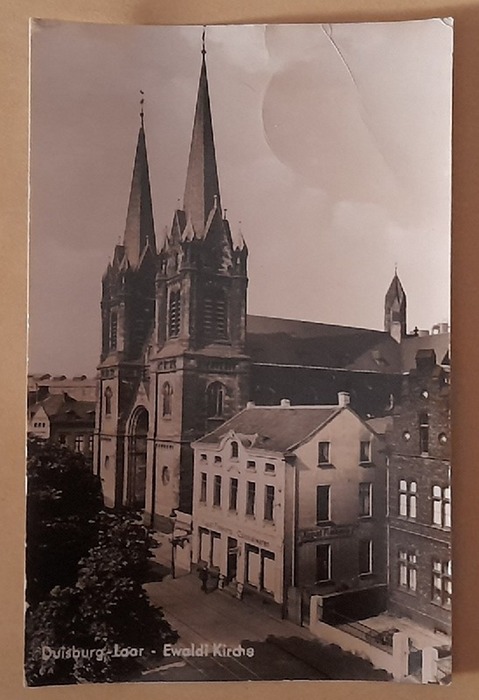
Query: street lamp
172,517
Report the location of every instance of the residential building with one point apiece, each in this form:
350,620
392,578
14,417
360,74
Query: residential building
290,501
61,418
420,584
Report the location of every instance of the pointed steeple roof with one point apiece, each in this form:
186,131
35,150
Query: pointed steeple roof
140,228
396,291
202,192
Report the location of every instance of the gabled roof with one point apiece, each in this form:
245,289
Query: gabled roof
61,408
273,428
303,343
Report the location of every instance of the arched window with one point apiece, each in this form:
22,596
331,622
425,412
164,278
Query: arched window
108,396
215,396
167,393
113,335
215,317
234,450
174,314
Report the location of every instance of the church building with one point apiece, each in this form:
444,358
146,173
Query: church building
180,355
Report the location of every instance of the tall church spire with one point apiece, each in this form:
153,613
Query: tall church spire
139,229
395,309
202,192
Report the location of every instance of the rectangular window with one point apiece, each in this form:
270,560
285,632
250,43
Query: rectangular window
407,570
62,439
441,583
365,557
324,453
233,494
322,503
217,491
407,499
424,433
250,464
269,503
250,497
218,459
203,486
323,563
365,452
203,458
269,468
78,443
441,506
90,443
365,499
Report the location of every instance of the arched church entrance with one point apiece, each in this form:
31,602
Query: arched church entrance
137,453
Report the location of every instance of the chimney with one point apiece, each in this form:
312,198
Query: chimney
285,403
250,404
422,333
425,359
343,399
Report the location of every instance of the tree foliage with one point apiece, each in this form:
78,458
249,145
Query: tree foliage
84,572
63,499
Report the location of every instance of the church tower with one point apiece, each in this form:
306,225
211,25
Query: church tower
127,311
198,361
395,310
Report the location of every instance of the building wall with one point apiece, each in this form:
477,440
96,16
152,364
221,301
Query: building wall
412,531
257,539
345,528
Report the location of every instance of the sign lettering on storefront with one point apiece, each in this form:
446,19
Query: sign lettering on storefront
313,534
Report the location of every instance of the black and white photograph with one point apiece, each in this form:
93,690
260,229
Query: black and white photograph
238,449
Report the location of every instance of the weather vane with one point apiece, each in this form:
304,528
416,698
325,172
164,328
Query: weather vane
203,36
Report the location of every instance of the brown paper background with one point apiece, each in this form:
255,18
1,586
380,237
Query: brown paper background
14,15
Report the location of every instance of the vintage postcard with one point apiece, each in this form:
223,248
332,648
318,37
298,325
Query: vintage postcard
239,366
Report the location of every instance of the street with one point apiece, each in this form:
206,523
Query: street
282,650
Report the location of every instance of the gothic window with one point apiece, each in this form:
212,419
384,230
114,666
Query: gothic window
215,317
108,396
113,330
215,395
174,314
167,393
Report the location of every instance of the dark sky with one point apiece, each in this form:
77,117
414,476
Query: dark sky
333,147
